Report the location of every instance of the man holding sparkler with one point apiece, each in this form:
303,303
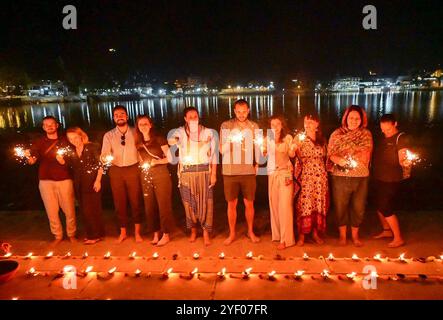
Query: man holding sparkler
119,151
239,169
55,180
390,163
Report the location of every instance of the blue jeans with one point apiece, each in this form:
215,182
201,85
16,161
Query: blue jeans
349,198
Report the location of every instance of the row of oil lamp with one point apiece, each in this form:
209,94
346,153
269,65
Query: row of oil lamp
244,275
249,255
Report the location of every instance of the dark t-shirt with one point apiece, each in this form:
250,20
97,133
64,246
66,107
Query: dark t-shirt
49,168
86,167
154,147
386,165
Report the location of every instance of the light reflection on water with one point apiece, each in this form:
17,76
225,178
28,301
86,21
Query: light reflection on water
412,107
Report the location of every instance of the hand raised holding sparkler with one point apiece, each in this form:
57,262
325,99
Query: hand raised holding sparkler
61,152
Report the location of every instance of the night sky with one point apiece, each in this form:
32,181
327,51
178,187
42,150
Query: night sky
238,40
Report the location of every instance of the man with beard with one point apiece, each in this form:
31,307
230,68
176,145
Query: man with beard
124,172
239,169
55,181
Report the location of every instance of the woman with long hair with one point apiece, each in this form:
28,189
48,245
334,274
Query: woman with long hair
312,201
197,173
349,154
156,181
280,148
88,173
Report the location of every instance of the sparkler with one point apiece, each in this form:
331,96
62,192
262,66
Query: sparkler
20,152
236,138
146,166
413,158
62,151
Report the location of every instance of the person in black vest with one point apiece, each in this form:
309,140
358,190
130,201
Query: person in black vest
390,163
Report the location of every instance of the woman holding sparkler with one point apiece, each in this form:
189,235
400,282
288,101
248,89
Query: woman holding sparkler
154,154
197,172
391,166
312,203
85,162
280,185
349,154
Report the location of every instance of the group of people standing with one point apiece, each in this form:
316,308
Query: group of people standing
137,159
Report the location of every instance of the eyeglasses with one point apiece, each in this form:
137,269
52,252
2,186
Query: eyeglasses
123,138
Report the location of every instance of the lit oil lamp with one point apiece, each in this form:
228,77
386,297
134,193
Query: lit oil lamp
299,274
49,255
107,255
85,255
67,255
305,256
112,270
7,255
221,273
325,274
249,255
133,255
155,255
221,255
355,257
246,273
271,275
377,257
331,257
351,276
29,255
196,256
89,269
402,258
31,272
137,273
165,275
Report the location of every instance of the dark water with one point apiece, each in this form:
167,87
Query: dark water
419,113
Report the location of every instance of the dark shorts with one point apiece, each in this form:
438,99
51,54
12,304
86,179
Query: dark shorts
234,184
386,199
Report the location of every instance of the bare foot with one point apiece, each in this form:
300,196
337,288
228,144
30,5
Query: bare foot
229,240
281,246
193,236
164,240
357,243
138,238
342,242
253,237
91,241
55,242
396,243
121,238
317,239
384,234
155,239
206,238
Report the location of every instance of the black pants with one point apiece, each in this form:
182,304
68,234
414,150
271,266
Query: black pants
125,185
90,204
157,191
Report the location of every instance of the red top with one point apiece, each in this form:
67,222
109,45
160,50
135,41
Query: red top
49,168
